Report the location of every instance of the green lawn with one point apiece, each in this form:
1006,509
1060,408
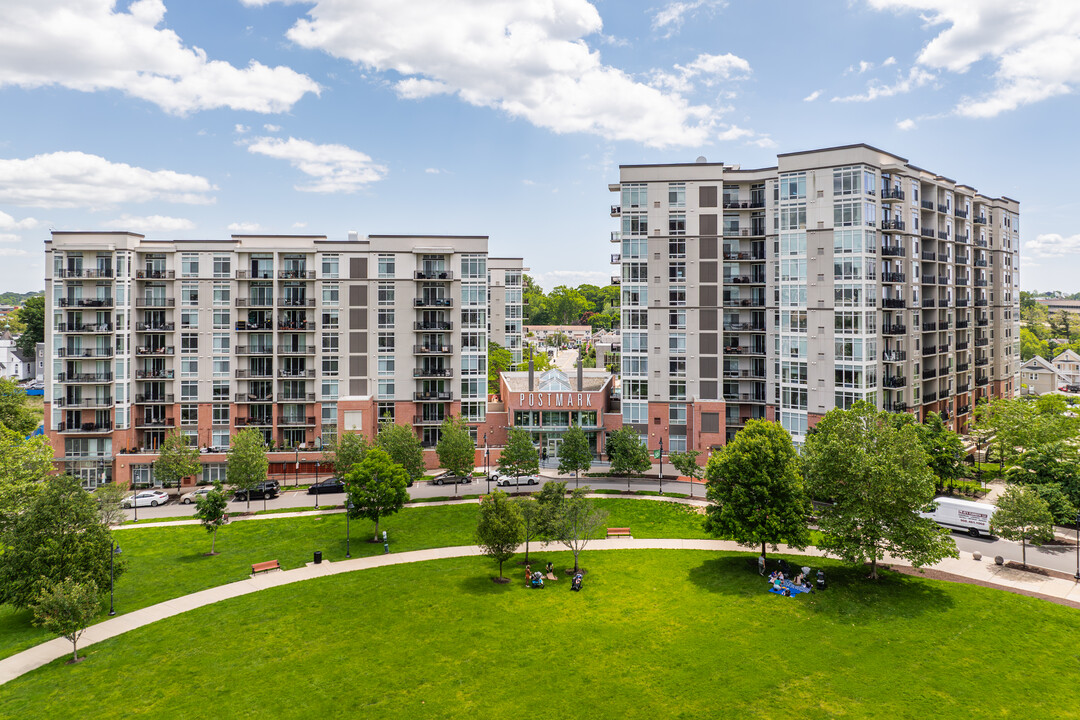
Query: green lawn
168,562
654,634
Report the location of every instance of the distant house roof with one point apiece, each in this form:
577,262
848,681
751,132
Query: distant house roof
1067,356
20,356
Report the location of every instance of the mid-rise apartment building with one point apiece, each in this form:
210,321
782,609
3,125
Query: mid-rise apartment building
506,287
840,274
296,336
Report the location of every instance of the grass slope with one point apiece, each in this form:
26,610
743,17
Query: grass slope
655,634
168,562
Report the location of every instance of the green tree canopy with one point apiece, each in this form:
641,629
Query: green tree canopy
944,448
66,608
565,305
15,415
348,450
576,521
456,449
575,455
403,446
500,360
176,460
628,452
58,536
210,511
26,462
1023,515
377,487
532,520
247,465
877,477
32,316
519,456
500,529
755,488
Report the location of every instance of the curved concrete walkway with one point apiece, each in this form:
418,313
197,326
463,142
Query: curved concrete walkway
32,658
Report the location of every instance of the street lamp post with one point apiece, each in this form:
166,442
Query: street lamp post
348,512
487,473
1077,576
661,466
296,473
316,482
112,575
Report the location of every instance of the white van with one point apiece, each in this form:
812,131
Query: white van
962,515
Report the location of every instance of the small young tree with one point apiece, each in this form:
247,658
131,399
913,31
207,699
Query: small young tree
575,455
65,608
349,449
456,450
628,452
532,520
377,487
247,464
404,448
756,489
109,497
687,465
519,457
176,460
1023,515
500,528
577,520
944,448
210,510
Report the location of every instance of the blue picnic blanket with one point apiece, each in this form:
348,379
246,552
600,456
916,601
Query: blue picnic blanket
795,589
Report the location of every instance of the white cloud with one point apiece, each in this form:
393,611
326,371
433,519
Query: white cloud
916,78
77,179
432,171
812,96
336,168
1035,45
299,224
150,223
12,252
240,129
731,133
889,61
710,69
528,60
526,181
9,223
1052,245
244,227
672,16
906,124
87,45
10,238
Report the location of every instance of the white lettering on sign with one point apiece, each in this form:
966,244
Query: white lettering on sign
536,399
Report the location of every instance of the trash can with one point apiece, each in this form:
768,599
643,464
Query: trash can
318,557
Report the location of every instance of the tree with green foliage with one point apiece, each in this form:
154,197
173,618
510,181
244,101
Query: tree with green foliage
565,305
404,448
377,487
541,362
110,499
12,324
755,489
59,535
519,456
877,477
575,455
246,465
1061,508
1031,345
15,415
687,465
532,520
1023,515
627,452
66,608
176,460
944,448
500,360
456,449
576,520
500,528
26,462
210,511
32,317
349,449
1012,425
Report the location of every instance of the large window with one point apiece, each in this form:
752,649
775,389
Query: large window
677,195
793,186
473,266
330,264
635,195
386,266
847,181
189,265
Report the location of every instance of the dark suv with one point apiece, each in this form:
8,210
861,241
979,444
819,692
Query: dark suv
266,489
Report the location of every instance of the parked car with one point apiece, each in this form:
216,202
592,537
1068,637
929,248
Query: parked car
188,498
146,498
507,480
266,489
329,485
448,478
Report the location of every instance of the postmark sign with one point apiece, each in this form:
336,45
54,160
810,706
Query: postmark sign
556,399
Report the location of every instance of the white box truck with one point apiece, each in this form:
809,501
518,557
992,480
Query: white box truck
962,515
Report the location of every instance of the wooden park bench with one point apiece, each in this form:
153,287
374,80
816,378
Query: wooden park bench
257,568
618,532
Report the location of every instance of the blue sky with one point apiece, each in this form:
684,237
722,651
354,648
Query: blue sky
507,117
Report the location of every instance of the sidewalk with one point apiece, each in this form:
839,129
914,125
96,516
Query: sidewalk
32,658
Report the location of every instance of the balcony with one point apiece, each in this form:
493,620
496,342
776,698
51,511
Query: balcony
928,302
89,273
744,327
745,279
895,381
962,259
433,373
929,326
893,251
744,374
155,351
254,275
962,302
929,279
101,329
743,350
943,280
892,277
87,302
982,342
426,420
616,236
85,403
979,220
296,349
962,239
616,258
926,205
154,422
744,302
942,235
254,421
84,427
155,327
296,374
254,349
929,398
253,397
894,330
433,396
980,283
929,374
296,302
84,378
145,302
733,255
245,374
963,367
155,374
962,280
929,255
433,326
616,280
432,349
981,380
296,274
894,355
433,275
288,421
892,194
155,399
148,274
84,352
929,350
979,362
245,326
962,324
744,398
895,303
963,409
960,390
982,322
433,302
928,233
296,325
981,303
897,407
296,397
961,346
